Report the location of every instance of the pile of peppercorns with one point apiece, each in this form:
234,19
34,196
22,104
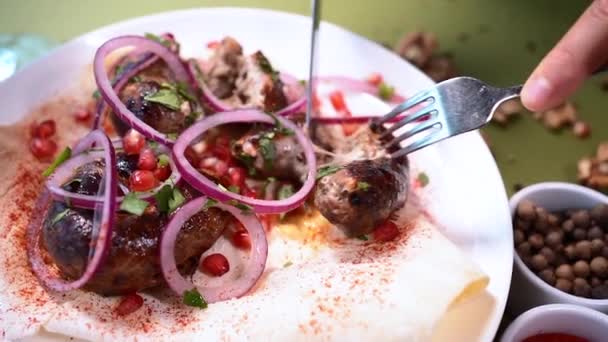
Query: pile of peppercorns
566,249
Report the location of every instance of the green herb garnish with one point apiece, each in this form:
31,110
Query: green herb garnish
244,207
363,237
285,191
194,298
60,216
268,151
177,199
167,97
234,188
192,118
62,157
210,203
163,160
133,205
96,94
363,186
385,91
423,179
163,196
327,170
172,136
158,39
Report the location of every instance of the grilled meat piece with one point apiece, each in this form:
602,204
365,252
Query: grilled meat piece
272,154
244,81
364,192
132,263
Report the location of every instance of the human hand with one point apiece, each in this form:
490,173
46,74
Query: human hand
577,55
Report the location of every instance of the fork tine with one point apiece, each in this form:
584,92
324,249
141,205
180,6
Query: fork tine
409,119
430,139
418,129
411,102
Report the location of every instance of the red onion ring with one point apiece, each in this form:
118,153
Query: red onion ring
209,188
218,105
252,271
109,95
66,170
101,236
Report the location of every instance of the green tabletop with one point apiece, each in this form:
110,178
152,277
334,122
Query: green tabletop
498,41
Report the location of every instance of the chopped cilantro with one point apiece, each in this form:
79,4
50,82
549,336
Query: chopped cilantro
60,216
268,151
176,199
184,90
158,39
172,136
234,188
163,160
363,237
120,69
285,191
363,186
192,118
244,207
210,203
162,197
96,94
62,157
266,67
423,179
385,91
248,161
133,205
287,264
327,170
167,97
194,298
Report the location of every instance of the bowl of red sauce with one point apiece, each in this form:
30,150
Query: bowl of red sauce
558,323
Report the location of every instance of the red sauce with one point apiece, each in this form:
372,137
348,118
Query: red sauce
555,337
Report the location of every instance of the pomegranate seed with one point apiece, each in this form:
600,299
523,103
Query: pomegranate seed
129,304
221,152
375,79
248,192
142,180
43,148
200,147
215,265
133,142
43,130
82,115
237,175
241,239
147,160
386,231
162,173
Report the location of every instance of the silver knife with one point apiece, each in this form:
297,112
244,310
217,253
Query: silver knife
315,16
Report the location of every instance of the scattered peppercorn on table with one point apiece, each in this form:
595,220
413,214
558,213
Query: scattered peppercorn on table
499,42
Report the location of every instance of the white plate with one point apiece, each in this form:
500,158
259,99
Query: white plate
466,193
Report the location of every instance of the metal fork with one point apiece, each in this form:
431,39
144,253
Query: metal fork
452,107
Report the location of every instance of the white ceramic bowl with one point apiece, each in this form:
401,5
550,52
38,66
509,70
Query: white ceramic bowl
558,318
527,289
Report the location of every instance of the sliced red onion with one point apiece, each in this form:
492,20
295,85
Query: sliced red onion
209,188
355,85
65,172
109,95
252,271
351,119
103,221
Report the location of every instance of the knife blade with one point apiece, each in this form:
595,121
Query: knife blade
315,18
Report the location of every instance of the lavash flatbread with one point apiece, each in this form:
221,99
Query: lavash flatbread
317,285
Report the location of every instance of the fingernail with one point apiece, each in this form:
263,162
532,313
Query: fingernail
538,91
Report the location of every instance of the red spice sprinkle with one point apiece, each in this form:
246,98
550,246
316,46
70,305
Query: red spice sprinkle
129,304
387,231
45,129
215,265
555,337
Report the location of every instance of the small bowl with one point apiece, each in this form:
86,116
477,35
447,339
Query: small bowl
558,318
527,289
